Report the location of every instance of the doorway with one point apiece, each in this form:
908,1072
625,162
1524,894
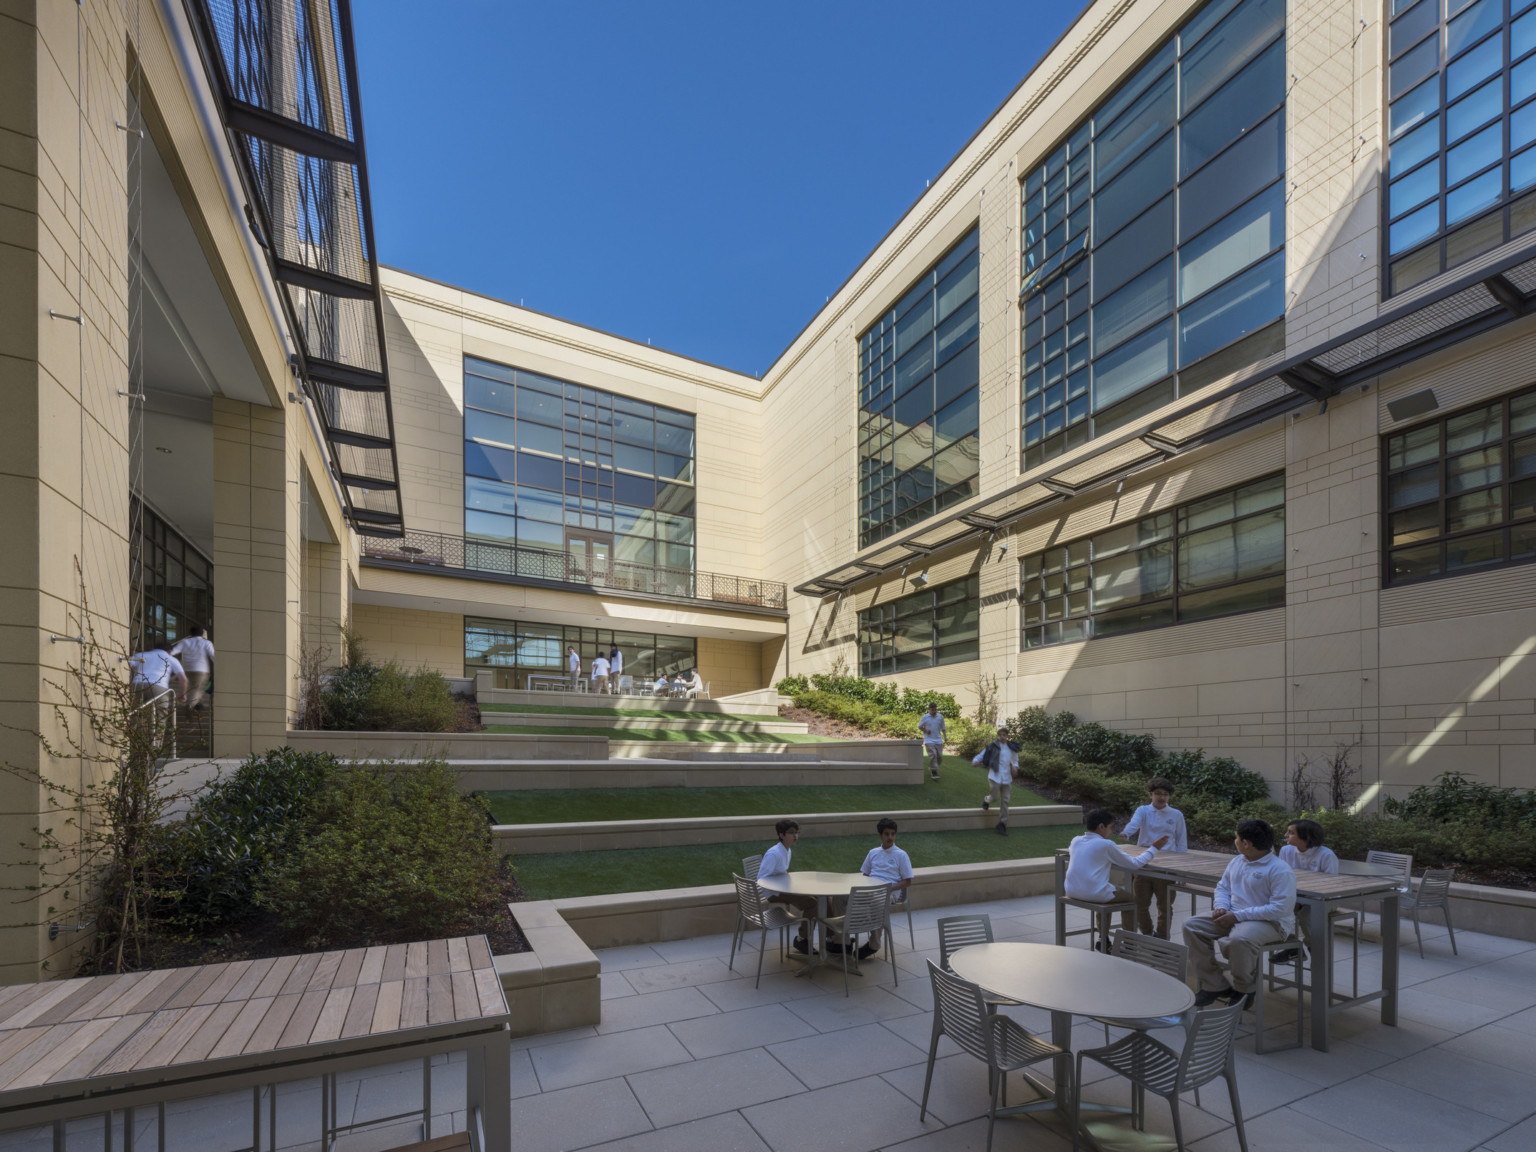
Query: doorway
589,557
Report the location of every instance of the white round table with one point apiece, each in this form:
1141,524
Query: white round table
823,886
1070,982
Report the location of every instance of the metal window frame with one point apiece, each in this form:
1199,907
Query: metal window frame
884,629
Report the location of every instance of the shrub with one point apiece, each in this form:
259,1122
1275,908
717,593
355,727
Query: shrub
1119,752
1220,777
1454,797
885,696
391,852
367,697
237,827
792,686
968,737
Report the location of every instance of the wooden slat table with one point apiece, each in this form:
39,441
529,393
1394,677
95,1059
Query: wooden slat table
74,1048
1320,891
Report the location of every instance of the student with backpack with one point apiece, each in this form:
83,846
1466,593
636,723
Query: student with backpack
1001,760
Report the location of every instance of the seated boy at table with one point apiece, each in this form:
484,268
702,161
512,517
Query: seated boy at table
1304,851
1148,823
1255,903
1093,854
776,861
889,865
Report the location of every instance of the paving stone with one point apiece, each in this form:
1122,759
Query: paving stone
708,1087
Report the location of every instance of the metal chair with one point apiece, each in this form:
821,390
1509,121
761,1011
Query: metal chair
1163,955
957,932
1267,982
868,910
750,866
1434,892
1402,864
1098,922
961,1012
902,902
1152,1065
753,911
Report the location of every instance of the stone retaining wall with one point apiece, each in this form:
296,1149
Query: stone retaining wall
556,985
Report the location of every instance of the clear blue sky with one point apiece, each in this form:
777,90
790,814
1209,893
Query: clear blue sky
699,174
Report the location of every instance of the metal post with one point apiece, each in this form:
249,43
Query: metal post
1389,946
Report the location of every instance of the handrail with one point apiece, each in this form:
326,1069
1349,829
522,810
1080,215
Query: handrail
438,550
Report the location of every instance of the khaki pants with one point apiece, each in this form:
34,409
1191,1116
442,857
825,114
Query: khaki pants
576,681
998,794
600,684
1146,890
197,684
804,905
935,753
1201,936
156,711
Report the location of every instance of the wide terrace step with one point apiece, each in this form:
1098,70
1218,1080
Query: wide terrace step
624,718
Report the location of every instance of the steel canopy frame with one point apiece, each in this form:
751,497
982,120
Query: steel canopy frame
1492,293
286,76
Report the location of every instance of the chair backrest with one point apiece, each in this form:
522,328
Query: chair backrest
961,1012
1434,886
1403,864
626,683
1208,1045
1163,955
957,932
868,909
751,865
749,897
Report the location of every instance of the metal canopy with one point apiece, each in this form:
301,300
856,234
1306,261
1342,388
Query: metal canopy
286,75
1478,301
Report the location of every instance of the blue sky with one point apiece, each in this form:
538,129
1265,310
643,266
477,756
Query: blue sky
700,175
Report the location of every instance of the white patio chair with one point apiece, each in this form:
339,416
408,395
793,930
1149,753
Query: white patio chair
957,932
868,909
752,911
1434,892
1162,955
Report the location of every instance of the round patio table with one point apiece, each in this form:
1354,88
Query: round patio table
823,886
1070,982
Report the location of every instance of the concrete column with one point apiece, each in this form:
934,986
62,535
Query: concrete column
325,599
256,576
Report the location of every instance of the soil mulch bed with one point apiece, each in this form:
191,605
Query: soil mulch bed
819,725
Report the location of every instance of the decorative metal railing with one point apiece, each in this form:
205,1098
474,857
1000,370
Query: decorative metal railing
436,550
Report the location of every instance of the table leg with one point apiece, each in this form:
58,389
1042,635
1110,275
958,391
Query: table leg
1061,909
1322,971
818,950
488,1087
1061,1066
1389,946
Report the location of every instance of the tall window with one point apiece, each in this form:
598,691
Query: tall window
170,580
934,626
1461,169
555,466
1461,492
1153,238
1215,556
918,445
515,650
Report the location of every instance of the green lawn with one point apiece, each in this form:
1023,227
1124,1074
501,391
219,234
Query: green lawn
661,734
960,785
620,710
644,869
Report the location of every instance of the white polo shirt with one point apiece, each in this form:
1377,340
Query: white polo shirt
1150,824
195,654
599,666
1088,867
155,668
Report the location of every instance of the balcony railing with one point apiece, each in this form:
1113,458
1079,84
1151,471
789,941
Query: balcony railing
436,550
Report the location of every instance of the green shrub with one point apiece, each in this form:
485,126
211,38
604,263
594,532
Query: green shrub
792,686
391,852
967,737
1217,776
1454,797
216,857
886,697
367,697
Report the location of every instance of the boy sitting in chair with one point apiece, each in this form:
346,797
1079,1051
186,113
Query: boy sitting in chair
889,865
1093,854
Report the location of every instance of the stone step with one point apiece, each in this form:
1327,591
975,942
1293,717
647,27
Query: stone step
688,722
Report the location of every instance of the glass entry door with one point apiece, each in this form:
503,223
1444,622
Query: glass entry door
589,557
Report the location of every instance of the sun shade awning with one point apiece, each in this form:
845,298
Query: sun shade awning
1488,295
286,75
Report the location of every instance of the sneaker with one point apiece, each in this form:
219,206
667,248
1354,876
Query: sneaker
933,775
1002,829
834,948
867,951
1233,996
800,946
1286,957
986,804
1248,1002
1205,997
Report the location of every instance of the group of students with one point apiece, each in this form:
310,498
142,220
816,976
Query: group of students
608,667
1254,903
1000,758
884,864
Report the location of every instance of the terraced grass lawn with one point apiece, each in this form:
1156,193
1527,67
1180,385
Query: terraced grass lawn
960,785
695,735
642,869
620,710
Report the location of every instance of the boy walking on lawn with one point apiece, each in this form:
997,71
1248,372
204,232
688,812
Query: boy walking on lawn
931,725
1151,822
889,865
776,861
1255,903
1001,760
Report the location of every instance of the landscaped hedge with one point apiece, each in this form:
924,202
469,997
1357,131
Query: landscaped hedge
884,708
886,697
369,697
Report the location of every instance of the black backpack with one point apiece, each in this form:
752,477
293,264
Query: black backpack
989,757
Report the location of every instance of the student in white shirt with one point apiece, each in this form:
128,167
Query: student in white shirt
931,725
889,865
1001,760
158,681
615,668
775,862
1304,851
1093,854
693,685
600,673
1255,903
661,687
196,656
573,666
1148,823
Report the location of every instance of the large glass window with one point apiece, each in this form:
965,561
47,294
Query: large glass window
514,650
1461,492
934,626
1154,236
1461,159
556,467
169,579
1215,556
918,444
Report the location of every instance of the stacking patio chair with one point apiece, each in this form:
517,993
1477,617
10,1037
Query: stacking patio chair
902,902
752,911
1163,955
1151,1065
1098,920
1434,892
868,909
750,865
957,932
961,1012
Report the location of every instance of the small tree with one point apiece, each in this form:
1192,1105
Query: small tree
986,700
